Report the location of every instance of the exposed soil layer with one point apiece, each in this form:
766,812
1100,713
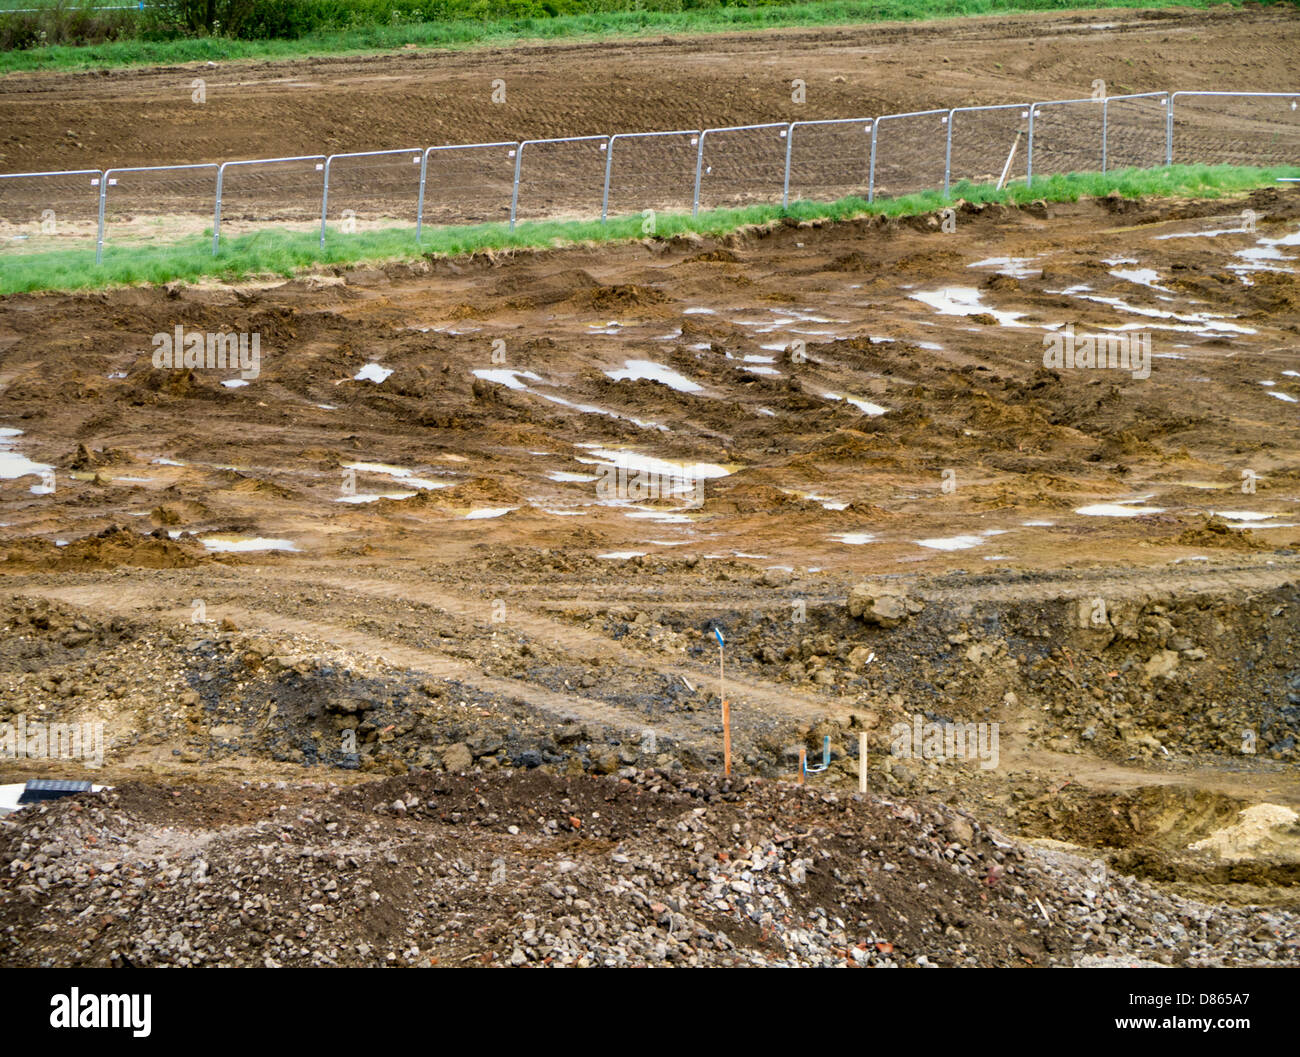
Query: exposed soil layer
485,515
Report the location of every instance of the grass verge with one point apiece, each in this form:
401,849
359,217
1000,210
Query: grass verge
636,18
276,253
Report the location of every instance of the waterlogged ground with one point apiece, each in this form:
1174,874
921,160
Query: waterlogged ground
488,513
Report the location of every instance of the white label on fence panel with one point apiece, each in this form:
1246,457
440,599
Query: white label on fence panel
319,166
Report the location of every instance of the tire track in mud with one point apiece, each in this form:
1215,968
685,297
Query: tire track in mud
565,707
781,701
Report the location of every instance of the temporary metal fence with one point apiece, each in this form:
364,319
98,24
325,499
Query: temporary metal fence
734,165
1094,111
851,131
536,144
444,159
318,161
47,206
1255,130
975,161
747,164
669,156
111,178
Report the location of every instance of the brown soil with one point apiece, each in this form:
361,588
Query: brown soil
1143,663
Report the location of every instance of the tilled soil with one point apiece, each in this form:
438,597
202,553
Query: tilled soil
349,103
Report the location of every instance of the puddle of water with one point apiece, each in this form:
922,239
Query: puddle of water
638,370
659,517
1257,257
1016,267
1038,524
327,407
507,377
698,312
1201,234
563,513
483,513
13,463
952,543
865,406
853,539
398,473
566,477
372,372
237,544
371,497
1283,396
1203,323
1243,515
965,301
1142,276
621,555
235,383
1124,508
635,461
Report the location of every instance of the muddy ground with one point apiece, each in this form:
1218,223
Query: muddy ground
484,516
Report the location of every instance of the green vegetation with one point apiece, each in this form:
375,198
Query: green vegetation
70,34
277,253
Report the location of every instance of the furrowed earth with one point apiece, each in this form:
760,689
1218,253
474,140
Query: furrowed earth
405,647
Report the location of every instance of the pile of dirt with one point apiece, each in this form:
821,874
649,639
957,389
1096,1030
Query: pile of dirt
112,547
646,868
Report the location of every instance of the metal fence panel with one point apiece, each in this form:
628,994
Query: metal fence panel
1065,135
1234,128
740,165
828,160
48,211
907,152
1135,130
466,183
371,190
285,191
563,179
980,143
650,170
151,203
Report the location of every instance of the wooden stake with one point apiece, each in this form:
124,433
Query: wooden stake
803,763
1006,169
862,762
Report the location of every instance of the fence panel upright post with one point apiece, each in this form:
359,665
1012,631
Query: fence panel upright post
419,207
699,171
216,210
1105,129
789,148
325,199
1169,131
99,241
609,166
1029,154
871,168
947,156
514,194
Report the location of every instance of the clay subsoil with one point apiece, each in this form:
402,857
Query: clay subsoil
450,577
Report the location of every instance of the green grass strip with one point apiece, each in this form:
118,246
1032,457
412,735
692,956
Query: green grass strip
273,253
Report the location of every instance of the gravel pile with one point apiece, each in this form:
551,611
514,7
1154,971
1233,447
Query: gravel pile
527,868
